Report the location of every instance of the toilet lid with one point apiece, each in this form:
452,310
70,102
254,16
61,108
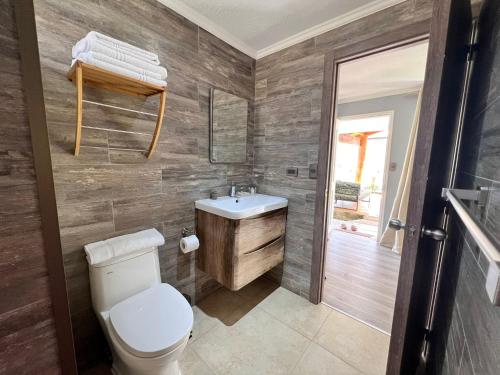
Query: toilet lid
152,322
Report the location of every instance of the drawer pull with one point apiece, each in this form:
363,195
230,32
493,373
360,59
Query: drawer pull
263,247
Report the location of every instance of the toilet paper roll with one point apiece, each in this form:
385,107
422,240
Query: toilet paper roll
189,243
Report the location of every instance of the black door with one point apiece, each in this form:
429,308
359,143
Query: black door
451,26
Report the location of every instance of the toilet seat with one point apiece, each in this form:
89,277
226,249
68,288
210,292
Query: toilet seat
152,322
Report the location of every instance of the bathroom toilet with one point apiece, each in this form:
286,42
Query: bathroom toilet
147,322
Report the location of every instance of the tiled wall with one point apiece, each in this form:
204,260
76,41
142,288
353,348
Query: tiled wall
107,191
27,334
473,340
288,93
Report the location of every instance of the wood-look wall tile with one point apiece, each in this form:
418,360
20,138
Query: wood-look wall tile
83,223
94,146
184,137
479,316
132,212
27,333
91,183
32,348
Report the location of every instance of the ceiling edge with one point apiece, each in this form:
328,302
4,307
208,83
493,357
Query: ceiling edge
205,23
382,94
354,15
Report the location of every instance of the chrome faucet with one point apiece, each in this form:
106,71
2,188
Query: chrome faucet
232,190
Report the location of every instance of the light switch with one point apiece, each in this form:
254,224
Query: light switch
313,169
292,171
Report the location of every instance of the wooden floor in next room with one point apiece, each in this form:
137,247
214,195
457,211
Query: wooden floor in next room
361,278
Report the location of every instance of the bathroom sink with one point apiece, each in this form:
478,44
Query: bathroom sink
241,207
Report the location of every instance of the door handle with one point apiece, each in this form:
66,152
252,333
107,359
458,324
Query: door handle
396,224
437,234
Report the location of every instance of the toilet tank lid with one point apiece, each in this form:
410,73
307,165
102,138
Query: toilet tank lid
152,322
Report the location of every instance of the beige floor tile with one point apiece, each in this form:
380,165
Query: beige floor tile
354,342
191,364
318,361
256,344
295,311
202,323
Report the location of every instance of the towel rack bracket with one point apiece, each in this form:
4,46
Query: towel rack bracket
84,74
480,196
486,243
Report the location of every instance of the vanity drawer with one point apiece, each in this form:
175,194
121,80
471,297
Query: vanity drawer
253,233
249,266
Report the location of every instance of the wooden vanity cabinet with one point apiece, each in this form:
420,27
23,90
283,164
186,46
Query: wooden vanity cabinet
236,252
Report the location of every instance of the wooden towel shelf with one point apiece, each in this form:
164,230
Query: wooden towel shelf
82,73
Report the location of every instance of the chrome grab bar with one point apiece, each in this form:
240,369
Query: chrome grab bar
482,238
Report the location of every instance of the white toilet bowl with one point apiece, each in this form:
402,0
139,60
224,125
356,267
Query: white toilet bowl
147,323
148,331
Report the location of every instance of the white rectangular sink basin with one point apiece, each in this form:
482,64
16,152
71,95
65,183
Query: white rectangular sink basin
241,207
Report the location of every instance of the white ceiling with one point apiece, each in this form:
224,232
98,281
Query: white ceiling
392,72
261,27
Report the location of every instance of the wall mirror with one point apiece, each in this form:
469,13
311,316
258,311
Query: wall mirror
228,128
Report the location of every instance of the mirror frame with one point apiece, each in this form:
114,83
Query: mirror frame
210,132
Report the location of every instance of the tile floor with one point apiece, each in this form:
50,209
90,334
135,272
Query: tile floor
267,330
264,329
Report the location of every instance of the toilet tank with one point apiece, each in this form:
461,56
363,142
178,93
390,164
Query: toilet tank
118,279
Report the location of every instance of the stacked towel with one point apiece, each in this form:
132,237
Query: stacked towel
117,56
102,251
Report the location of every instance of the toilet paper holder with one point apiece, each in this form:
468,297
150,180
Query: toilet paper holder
186,231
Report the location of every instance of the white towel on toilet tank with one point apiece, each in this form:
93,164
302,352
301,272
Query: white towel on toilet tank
101,251
98,42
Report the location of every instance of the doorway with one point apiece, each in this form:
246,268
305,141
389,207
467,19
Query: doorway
375,118
361,156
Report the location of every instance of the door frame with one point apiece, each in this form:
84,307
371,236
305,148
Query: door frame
389,113
404,36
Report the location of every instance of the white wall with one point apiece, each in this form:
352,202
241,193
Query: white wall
404,110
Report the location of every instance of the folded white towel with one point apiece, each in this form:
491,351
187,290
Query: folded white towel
98,42
130,63
119,70
102,251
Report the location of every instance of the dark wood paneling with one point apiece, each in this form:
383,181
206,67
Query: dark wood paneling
467,341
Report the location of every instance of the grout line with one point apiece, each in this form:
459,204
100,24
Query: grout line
113,214
204,334
301,357
322,325
324,348
357,319
205,362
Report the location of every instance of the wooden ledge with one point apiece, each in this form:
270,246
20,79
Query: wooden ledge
98,77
